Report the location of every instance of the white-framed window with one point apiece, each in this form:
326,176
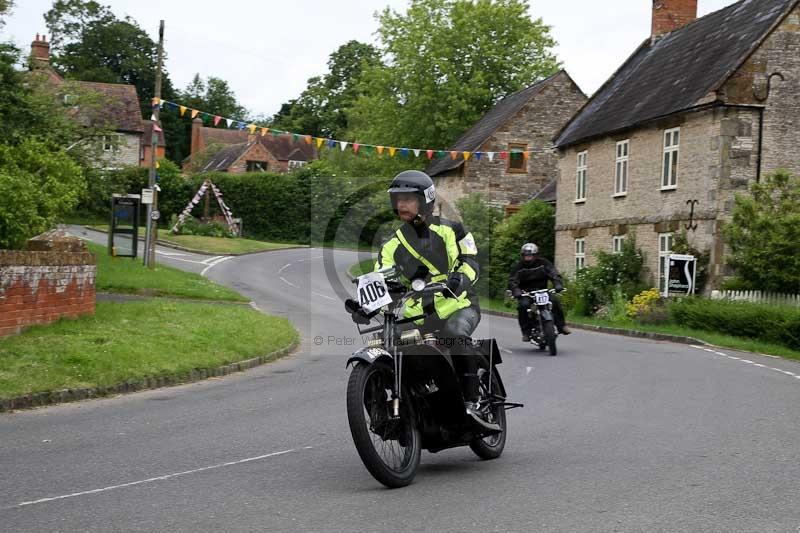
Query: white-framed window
669,170
664,249
616,243
580,178
580,254
296,164
108,144
621,168
69,99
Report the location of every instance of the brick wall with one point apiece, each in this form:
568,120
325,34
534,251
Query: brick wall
55,278
257,152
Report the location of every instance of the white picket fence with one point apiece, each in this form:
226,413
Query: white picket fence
761,297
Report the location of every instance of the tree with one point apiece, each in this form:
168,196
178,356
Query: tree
323,108
446,63
37,186
764,233
5,9
480,219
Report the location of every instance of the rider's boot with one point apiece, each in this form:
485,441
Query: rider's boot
477,413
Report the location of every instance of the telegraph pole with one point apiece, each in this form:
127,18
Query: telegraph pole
151,234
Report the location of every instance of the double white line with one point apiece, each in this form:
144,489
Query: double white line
213,261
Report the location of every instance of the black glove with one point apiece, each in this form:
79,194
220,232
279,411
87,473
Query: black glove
456,282
516,293
559,288
356,313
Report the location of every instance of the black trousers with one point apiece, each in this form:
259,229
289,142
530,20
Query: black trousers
455,337
526,321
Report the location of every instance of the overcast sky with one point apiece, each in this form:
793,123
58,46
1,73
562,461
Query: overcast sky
267,50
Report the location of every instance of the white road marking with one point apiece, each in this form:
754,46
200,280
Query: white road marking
215,263
169,254
747,361
284,267
158,478
323,296
211,259
286,281
528,370
506,350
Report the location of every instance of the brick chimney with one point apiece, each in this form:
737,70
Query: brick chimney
40,52
197,140
670,15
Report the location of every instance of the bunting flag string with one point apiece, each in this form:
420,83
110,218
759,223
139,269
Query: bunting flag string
356,147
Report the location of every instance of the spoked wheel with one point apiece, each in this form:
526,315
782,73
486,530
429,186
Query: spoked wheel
549,332
389,447
491,447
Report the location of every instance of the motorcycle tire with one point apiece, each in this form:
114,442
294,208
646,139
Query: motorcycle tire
491,447
549,334
374,431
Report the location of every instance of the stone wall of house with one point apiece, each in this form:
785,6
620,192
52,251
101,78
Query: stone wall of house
779,54
717,159
54,278
534,125
127,151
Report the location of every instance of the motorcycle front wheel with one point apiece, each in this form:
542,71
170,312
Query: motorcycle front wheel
389,447
549,333
491,447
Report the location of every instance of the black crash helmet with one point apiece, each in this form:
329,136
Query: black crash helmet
416,182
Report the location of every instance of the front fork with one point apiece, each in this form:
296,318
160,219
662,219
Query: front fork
397,356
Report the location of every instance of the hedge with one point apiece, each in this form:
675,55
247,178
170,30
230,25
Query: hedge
776,324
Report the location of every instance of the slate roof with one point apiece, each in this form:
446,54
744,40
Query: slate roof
676,71
120,110
223,159
548,193
283,148
487,125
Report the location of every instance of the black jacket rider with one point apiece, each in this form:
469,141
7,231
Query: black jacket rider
531,276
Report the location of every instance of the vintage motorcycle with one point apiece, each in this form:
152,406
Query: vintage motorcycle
544,332
403,393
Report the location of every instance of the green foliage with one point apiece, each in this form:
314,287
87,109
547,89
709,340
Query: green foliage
480,219
175,193
594,285
192,226
5,8
37,185
770,323
446,63
534,222
764,234
617,307
680,245
322,109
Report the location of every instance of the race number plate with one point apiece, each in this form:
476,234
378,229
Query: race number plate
373,292
542,298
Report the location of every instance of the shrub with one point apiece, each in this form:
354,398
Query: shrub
480,219
648,307
192,226
534,222
776,324
594,286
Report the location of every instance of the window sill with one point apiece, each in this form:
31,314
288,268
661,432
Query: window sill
670,188
580,201
619,195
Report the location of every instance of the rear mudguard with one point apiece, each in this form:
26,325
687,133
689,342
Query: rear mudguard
370,356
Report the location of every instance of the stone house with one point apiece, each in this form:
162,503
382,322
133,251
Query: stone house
239,151
117,110
701,110
525,120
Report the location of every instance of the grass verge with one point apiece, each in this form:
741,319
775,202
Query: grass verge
211,245
717,339
131,277
111,347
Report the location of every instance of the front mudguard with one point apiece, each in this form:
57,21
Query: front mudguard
370,356
546,314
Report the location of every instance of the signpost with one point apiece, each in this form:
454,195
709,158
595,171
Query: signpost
681,275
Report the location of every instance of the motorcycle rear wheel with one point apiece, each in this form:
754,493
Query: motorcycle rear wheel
491,447
390,448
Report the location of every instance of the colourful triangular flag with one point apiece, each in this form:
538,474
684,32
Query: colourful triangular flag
504,155
429,153
308,139
404,152
392,150
342,145
466,155
319,141
416,152
194,113
379,149
491,156
454,154
217,118
478,156
356,146
229,121
252,128
331,143
183,110
264,131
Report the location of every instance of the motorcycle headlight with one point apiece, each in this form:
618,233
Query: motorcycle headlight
418,284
